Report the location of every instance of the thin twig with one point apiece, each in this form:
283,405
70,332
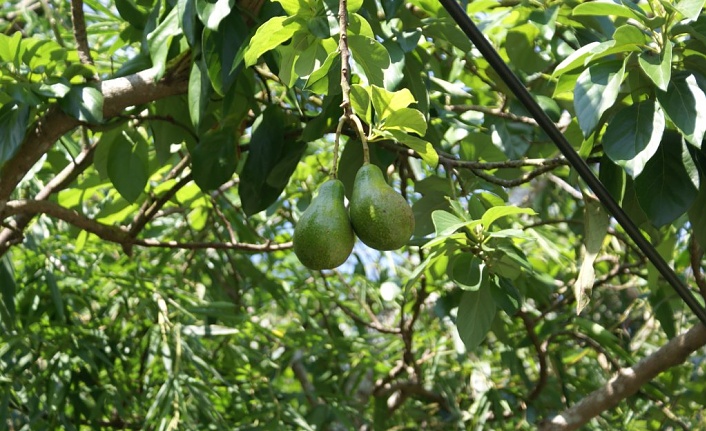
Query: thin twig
695,256
79,24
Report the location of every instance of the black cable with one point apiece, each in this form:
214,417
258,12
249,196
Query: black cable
493,58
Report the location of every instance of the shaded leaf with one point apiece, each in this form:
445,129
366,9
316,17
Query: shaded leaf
127,165
270,162
214,158
475,316
665,188
468,271
14,119
682,103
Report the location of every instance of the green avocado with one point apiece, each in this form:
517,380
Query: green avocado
323,237
381,217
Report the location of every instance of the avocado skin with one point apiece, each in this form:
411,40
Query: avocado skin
381,217
324,237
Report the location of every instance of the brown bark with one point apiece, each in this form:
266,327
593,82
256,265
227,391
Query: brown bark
628,381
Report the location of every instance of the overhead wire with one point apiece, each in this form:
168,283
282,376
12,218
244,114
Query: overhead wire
488,52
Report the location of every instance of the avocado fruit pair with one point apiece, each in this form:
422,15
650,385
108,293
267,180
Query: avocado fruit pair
379,216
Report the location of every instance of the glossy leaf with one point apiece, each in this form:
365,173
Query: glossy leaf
681,103
84,103
475,316
596,90
666,188
211,13
468,271
424,148
609,7
269,35
220,49
371,56
495,213
658,67
633,136
406,120
160,40
386,102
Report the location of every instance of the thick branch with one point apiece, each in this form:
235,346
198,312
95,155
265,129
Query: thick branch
628,381
118,94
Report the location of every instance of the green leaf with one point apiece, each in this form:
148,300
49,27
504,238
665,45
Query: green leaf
494,213
468,271
360,103
609,7
446,223
214,158
424,148
691,9
613,178
658,67
629,34
633,136
14,119
199,93
83,103
596,90
665,188
371,56
407,120
269,35
386,102
323,80
132,13
682,103
520,45
294,7
270,162
220,49
127,165
211,13
697,219
578,58
165,133
596,222
505,294
8,288
475,316
160,39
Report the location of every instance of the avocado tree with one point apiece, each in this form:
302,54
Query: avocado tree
156,157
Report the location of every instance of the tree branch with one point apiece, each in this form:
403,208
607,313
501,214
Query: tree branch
628,381
118,94
119,235
79,24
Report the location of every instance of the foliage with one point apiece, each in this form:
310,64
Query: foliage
147,279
